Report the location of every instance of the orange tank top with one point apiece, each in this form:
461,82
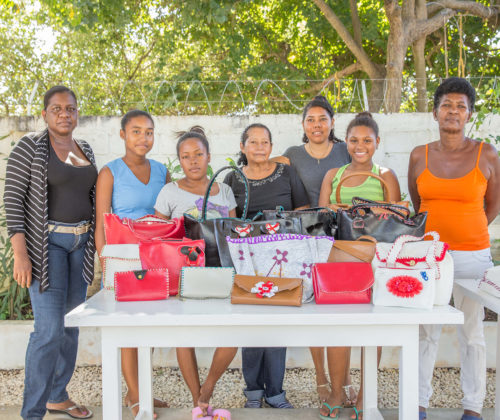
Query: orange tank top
455,207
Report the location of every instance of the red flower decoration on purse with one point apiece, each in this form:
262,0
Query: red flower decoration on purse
404,286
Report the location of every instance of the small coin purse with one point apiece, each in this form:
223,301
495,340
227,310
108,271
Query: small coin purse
206,282
141,285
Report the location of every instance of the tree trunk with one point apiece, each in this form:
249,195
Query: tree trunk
419,58
420,74
396,52
376,95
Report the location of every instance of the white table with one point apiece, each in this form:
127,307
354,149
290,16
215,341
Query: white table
470,289
175,323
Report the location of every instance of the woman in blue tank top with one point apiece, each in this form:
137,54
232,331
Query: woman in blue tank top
128,187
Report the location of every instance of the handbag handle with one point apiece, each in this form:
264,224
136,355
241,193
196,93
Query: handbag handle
130,224
280,210
396,248
369,174
211,183
360,200
401,211
367,238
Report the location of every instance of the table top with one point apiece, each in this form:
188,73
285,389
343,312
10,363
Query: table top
470,288
102,310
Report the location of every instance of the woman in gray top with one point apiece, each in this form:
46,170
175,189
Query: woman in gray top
320,152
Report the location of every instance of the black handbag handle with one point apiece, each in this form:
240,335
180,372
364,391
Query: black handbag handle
401,211
280,210
211,183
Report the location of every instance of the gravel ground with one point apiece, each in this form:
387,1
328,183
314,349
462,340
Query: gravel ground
85,387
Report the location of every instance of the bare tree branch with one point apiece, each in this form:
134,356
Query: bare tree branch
368,66
141,59
472,7
356,22
428,26
350,69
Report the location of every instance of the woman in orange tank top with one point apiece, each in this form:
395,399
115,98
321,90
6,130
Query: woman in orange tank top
456,180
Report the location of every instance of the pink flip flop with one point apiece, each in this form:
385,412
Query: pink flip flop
197,414
221,414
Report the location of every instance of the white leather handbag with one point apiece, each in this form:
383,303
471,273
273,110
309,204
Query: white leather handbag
490,283
118,258
424,261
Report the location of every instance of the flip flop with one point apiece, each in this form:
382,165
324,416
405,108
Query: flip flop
469,417
197,414
321,416
221,414
357,412
68,410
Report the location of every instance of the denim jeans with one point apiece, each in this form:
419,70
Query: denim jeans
51,353
264,371
468,265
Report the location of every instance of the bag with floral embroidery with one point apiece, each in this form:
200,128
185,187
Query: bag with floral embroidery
280,255
412,272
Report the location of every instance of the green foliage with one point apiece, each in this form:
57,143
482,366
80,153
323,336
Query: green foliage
14,300
492,108
176,172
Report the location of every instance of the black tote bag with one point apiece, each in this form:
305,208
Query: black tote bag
361,219
317,221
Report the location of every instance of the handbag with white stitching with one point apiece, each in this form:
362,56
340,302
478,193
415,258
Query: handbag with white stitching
422,261
117,258
490,283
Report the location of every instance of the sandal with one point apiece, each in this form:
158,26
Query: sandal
131,407
321,416
358,413
197,414
326,385
348,401
68,410
221,414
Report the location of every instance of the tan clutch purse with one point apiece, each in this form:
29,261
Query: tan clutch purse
257,290
360,250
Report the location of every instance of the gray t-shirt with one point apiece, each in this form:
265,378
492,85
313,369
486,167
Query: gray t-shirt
173,201
312,171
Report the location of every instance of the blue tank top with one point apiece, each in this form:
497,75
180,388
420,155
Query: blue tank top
131,198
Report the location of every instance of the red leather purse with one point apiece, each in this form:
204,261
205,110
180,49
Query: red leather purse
343,282
129,231
173,255
141,285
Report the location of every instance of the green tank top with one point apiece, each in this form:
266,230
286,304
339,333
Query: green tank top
371,189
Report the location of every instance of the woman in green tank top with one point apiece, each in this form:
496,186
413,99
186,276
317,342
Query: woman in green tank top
362,140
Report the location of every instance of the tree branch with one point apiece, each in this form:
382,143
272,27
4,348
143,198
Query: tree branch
368,66
350,69
356,22
472,7
141,59
428,26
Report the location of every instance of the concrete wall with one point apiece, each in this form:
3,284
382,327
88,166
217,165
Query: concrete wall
399,133
14,337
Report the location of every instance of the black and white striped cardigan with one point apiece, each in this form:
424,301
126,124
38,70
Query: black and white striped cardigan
26,202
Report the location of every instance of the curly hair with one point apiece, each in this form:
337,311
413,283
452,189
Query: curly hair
455,85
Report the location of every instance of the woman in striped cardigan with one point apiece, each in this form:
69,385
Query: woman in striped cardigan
50,207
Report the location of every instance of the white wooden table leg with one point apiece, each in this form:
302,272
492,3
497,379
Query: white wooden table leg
370,393
145,384
408,376
497,376
111,378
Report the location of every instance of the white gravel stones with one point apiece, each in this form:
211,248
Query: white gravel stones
85,387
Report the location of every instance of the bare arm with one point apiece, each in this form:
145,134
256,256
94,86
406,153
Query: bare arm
22,262
303,207
232,213
104,192
414,171
280,159
391,179
492,196
326,188
158,214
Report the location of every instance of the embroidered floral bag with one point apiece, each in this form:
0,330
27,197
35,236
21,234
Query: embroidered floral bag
280,255
412,272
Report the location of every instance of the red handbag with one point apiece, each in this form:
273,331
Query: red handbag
343,282
141,285
173,255
130,231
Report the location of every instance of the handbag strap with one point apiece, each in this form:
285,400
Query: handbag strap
367,238
211,183
366,173
401,211
396,248
130,223
281,212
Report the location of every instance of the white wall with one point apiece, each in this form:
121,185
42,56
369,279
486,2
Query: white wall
400,133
